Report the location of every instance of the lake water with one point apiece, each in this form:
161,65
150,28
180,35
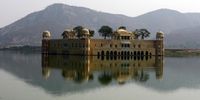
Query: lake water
36,77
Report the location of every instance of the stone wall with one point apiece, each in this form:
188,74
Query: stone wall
104,47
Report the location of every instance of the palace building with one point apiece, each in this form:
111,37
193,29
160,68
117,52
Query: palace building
122,43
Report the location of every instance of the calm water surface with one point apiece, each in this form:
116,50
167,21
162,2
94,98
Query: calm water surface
37,77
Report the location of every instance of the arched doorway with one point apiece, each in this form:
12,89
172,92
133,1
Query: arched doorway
102,55
111,55
107,55
115,55
98,55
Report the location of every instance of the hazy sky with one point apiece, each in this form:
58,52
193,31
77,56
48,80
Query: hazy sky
12,10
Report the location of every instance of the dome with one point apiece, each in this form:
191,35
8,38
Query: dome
160,34
122,32
86,31
67,30
46,34
68,33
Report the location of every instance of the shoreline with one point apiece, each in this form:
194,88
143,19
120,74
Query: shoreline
182,52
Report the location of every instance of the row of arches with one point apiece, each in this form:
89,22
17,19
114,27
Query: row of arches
124,55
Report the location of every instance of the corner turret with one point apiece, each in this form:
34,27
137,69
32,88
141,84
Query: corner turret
46,35
85,33
159,44
159,35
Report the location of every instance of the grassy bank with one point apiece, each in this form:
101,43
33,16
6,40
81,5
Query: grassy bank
182,52
23,49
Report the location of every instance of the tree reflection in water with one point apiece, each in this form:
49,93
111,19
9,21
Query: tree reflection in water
143,77
105,78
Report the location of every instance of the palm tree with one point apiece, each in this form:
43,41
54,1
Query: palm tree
105,31
142,32
78,31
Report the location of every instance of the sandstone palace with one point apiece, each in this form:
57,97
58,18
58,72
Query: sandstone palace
121,42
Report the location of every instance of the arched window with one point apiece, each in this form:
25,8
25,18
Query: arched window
142,53
102,55
111,55
128,53
107,55
146,53
135,53
115,55
150,55
138,53
118,55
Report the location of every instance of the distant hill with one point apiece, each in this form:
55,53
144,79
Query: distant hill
184,38
166,20
57,17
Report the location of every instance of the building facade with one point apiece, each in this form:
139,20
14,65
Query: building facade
122,43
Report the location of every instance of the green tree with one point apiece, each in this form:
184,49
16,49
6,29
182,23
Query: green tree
92,32
143,33
105,79
78,31
105,31
80,77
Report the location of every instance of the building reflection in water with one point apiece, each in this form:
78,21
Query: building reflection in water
109,68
